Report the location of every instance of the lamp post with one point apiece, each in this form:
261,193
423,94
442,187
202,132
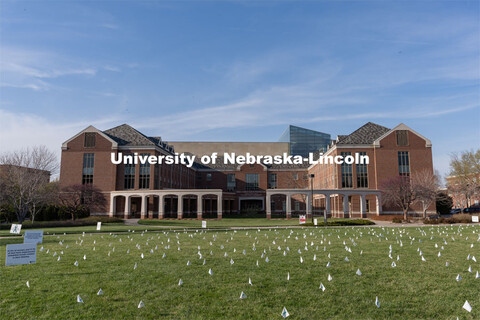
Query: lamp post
311,189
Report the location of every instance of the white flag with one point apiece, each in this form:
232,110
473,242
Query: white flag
467,306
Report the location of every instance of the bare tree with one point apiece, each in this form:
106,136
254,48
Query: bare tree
24,174
81,196
398,192
465,174
425,184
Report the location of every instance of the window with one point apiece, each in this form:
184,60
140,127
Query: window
367,205
231,182
144,179
129,176
251,181
346,172
272,181
89,140
87,174
209,177
403,163
402,138
297,205
362,174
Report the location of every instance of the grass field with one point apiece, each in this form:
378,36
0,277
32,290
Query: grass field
414,289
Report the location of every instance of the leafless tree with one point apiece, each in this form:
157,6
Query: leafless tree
24,174
425,184
398,192
81,196
465,174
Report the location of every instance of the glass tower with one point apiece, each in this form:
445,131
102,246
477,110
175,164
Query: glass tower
303,141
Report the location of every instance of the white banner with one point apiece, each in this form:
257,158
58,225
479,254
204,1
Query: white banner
302,219
15,228
99,226
204,224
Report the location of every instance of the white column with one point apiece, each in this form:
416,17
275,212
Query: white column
160,206
128,204
328,208
219,206
144,207
269,206
379,204
345,206
199,206
113,206
180,207
363,205
289,206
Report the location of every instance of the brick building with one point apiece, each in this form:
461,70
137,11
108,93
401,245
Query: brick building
213,191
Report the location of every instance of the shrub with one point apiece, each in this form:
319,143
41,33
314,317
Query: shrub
397,220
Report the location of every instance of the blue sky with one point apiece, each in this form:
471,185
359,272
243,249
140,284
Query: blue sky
239,70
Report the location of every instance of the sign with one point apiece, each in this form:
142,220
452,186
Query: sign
99,226
21,254
204,224
15,228
302,219
33,237
315,221
474,218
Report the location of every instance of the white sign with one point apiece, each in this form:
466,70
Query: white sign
33,237
204,224
302,219
315,221
99,226
474,218
15,228
21,254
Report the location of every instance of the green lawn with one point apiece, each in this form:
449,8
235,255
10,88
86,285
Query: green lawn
414,289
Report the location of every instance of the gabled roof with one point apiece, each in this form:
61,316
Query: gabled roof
91,129
366,134
125,135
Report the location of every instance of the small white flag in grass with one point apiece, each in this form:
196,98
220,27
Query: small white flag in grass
447,264
468,257
469,268
180,282
142,256
322,287
266,260
328,264
79,299
288,276
474,259
100,292
210,272
75,264
477,275
243,295
359,273
28,284
377,302
189,263
346,259
285,313
467,306
141,304
58,258
257,263
394,264
458,278
314,257
231,261
301,260
135,266
423,259
329,277
250,281
439,254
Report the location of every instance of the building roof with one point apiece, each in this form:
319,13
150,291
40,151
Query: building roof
126,135
366,134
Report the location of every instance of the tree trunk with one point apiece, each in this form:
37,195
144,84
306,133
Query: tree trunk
405,214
